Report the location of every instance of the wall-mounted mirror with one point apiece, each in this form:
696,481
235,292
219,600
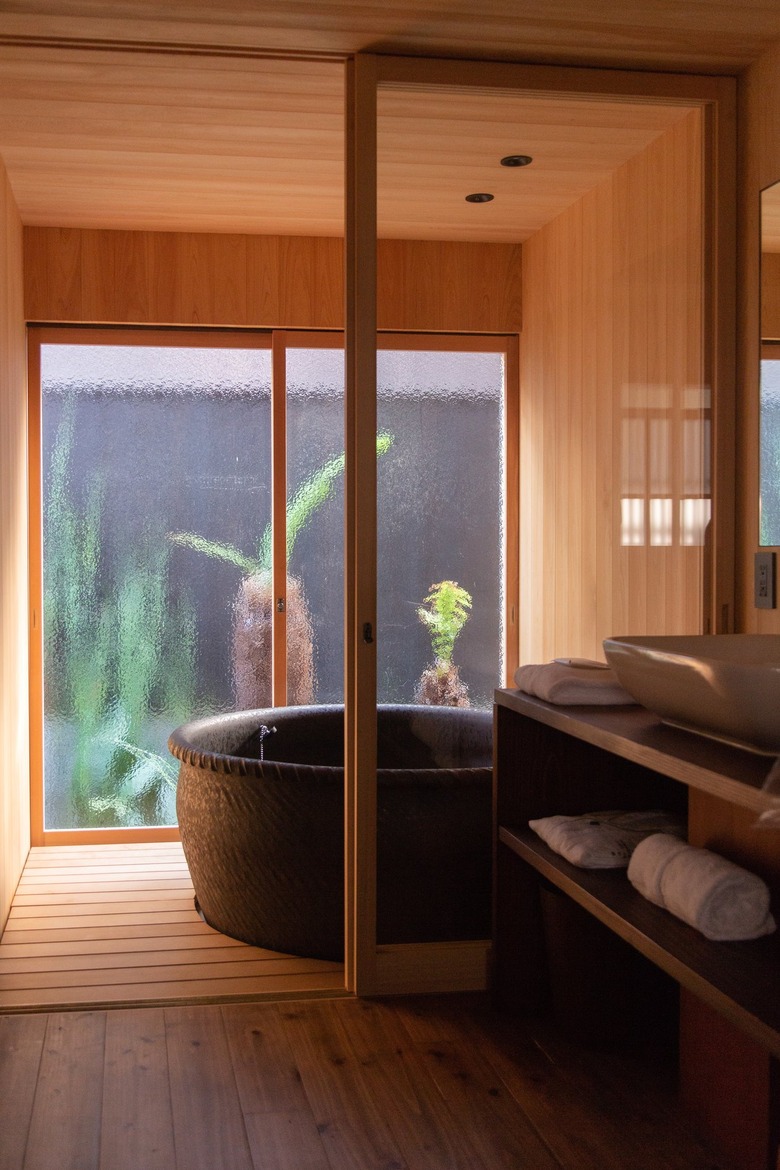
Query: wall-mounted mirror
769,532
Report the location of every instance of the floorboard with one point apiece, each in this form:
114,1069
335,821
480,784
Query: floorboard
107,925
424,1083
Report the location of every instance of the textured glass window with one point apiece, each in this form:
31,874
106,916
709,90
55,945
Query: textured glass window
315,525
440,527
156,494
770,451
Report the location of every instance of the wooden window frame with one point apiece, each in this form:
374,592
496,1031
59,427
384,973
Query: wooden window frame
278,342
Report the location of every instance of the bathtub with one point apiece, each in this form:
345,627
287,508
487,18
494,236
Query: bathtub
264,838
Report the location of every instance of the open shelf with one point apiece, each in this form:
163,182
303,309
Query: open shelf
740,980
639,737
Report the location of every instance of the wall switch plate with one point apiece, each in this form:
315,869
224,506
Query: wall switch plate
764,580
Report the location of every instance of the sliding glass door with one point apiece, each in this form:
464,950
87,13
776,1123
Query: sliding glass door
192,516
155,486
442,520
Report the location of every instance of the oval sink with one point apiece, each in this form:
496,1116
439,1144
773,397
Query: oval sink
726,686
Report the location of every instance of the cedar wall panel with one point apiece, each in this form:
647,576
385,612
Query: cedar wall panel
770,295
14,720
172,278
611,347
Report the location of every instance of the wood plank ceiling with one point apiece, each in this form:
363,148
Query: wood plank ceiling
704,36
158,142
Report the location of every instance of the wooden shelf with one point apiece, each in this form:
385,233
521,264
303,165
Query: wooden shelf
740,980
584,952
634,734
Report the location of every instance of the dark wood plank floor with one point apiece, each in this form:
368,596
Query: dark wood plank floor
342,1084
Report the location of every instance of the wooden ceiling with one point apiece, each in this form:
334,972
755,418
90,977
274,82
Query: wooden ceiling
188,140
159,142
704,36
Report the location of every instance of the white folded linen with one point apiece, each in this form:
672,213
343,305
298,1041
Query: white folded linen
722,900
571,685
603,840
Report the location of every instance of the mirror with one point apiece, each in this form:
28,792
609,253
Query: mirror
769,531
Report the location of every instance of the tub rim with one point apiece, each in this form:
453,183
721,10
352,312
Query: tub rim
182,748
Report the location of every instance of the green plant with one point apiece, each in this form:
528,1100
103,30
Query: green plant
311,494
447,613
446,616
115,649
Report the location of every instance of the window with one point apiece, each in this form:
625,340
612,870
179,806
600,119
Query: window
191,504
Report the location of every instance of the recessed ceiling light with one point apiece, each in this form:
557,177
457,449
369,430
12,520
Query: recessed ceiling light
479,197
516,160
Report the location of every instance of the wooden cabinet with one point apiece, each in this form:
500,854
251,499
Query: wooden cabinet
551,760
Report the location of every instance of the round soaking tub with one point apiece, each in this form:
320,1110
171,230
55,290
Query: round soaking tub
264,837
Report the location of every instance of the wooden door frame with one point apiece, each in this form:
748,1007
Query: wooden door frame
368,971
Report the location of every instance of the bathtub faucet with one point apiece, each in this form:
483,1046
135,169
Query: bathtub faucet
263,732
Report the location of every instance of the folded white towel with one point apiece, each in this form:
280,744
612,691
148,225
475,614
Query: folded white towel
722,900
571,685
603,840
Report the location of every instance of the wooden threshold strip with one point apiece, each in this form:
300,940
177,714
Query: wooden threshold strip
110,925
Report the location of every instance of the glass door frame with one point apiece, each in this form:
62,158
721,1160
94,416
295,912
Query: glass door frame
365,971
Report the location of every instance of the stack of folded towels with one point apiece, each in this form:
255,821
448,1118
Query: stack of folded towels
586,682
603,840
710,893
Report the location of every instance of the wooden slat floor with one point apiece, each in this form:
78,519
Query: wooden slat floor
115,924
340,1084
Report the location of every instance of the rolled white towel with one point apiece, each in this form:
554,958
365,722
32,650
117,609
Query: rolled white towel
722,900
649,861
571,685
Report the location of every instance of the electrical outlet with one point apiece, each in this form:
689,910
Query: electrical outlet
764,580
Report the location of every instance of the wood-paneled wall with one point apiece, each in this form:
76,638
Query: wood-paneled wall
14,723
770,295
610,359
170,278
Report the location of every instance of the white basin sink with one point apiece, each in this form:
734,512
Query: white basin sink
726,686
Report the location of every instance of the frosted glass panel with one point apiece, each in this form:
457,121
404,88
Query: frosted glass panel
156,495
770,451
440,527
315,525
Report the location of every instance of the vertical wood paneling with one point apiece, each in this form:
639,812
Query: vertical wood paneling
466,287
296,282
770,295
14,716
612,314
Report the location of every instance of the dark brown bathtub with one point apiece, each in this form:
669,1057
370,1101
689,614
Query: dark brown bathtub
264,839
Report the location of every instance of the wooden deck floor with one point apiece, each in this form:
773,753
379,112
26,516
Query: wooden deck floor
108,925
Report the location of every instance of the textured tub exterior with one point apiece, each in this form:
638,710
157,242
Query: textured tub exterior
264,840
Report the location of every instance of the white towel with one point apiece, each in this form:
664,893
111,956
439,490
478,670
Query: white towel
603,840
710,893
571,685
